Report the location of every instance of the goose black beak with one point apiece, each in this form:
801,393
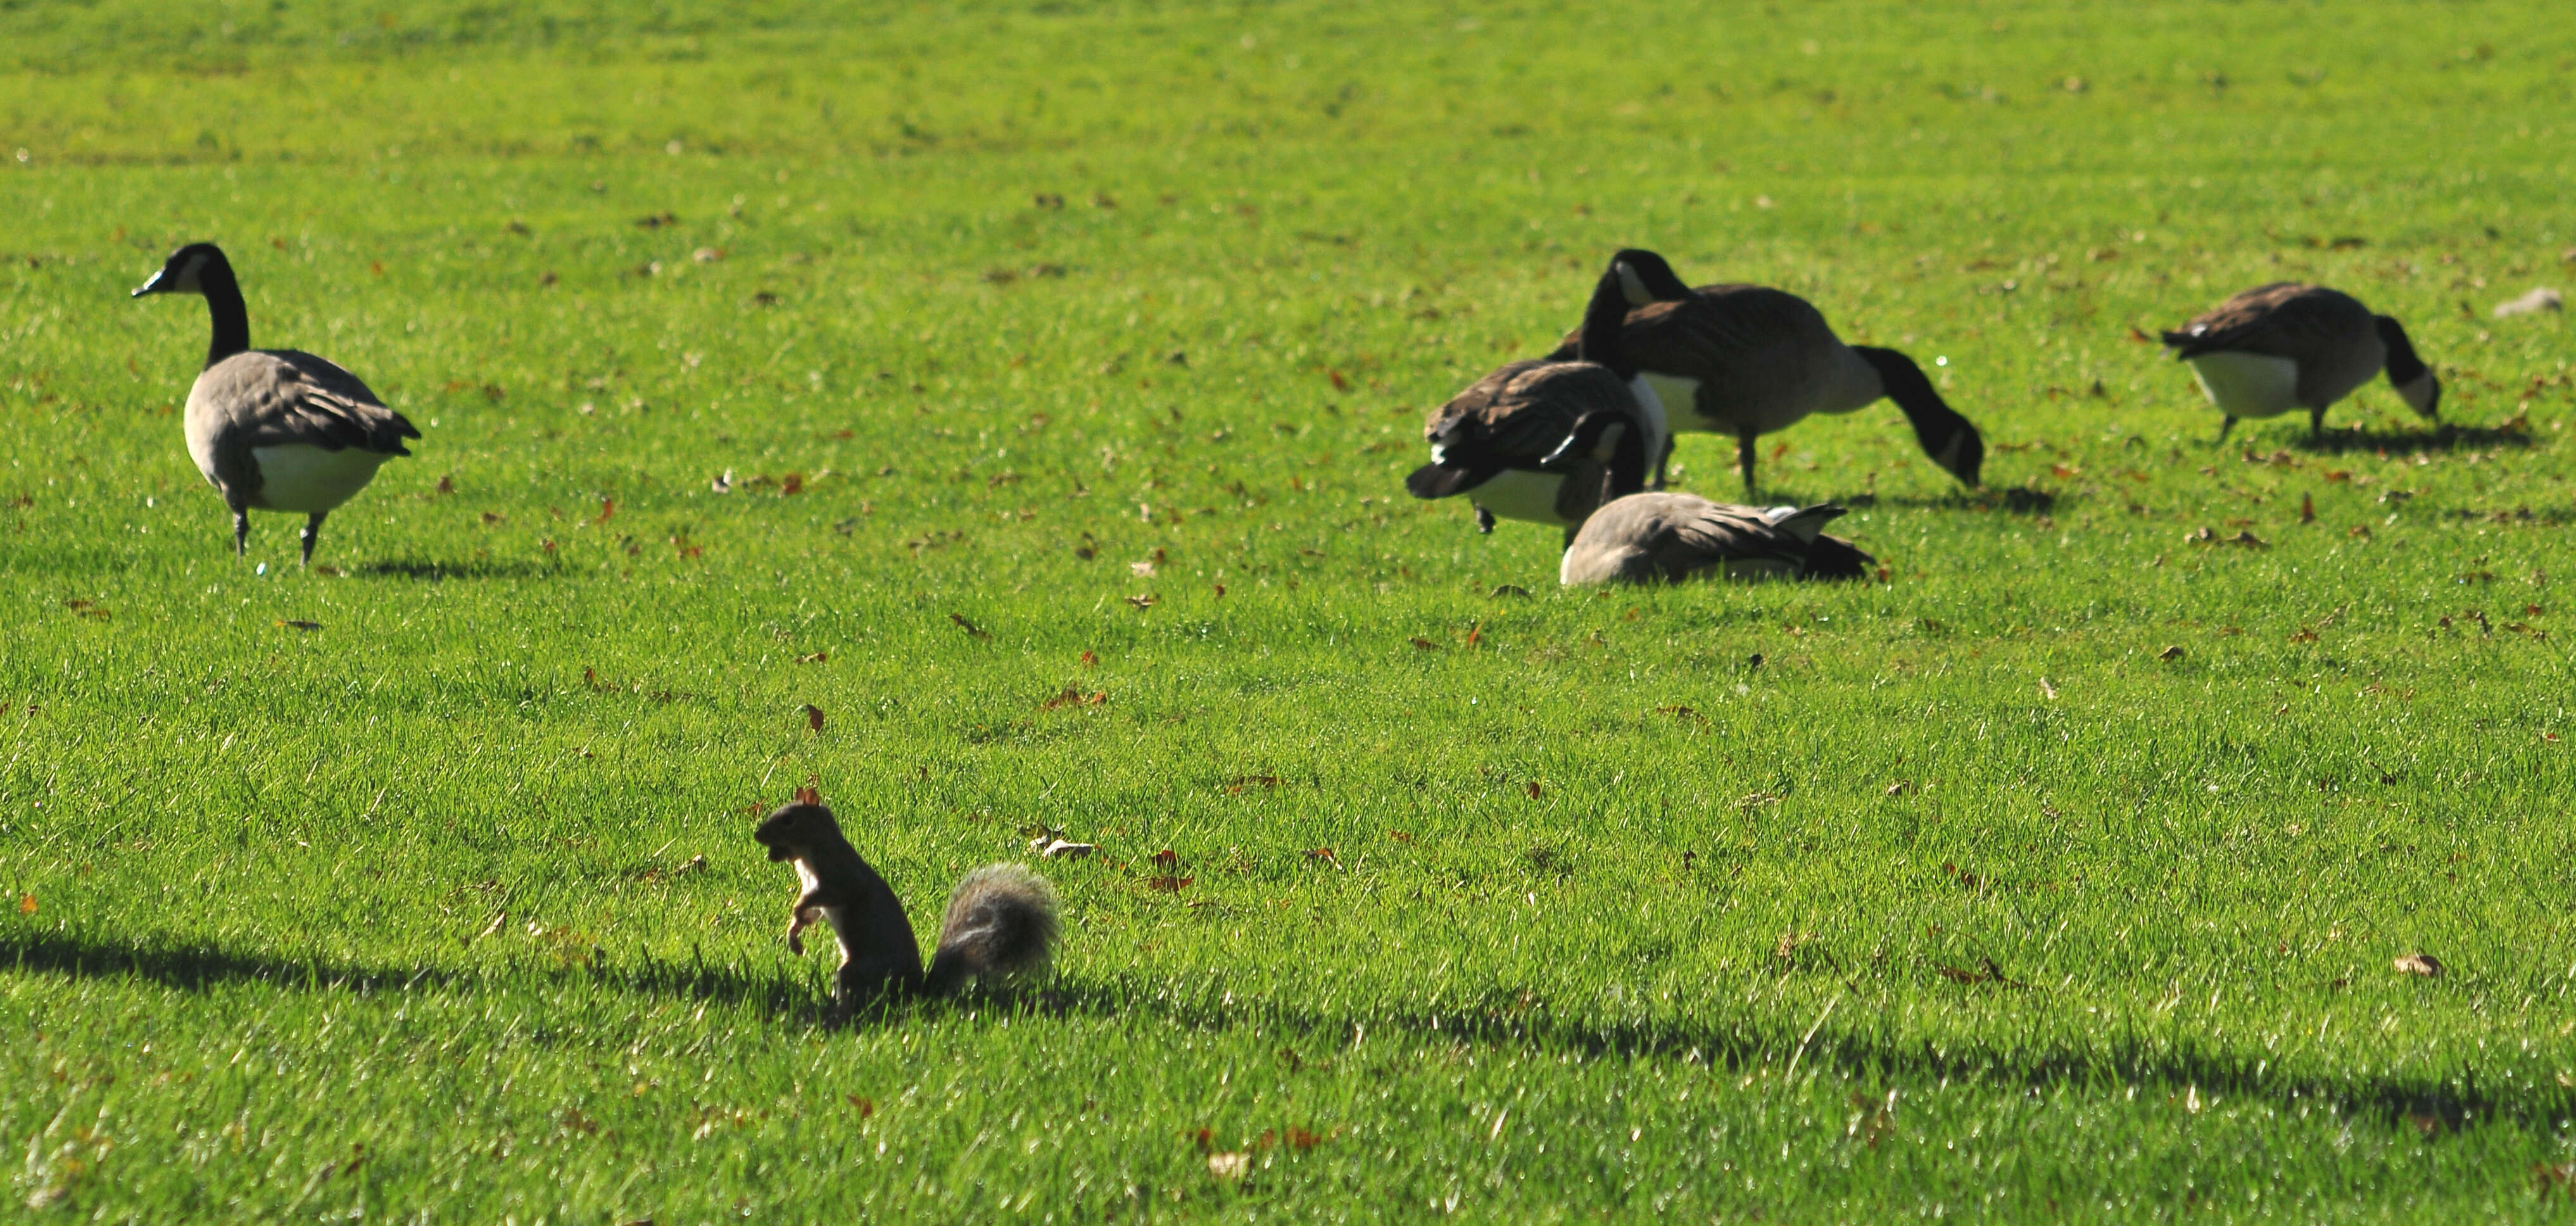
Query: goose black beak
152,286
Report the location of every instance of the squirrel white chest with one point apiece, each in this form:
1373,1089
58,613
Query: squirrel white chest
831,915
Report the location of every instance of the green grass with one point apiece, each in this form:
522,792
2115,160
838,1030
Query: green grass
1964,902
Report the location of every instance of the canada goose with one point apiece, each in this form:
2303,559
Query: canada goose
274,429
1645,537
1748,361
1548,441
2283,346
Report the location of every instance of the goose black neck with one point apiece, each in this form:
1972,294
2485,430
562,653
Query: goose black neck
1627,454
1937,426
224,303
2403,366
1602,320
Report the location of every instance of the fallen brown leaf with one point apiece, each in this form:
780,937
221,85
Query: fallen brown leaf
2170,654
970,627
27,904
2426,965
607,511
1426,644
1168,884
301,624
813,717
1535,791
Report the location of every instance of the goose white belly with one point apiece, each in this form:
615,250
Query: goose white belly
1677,390
2248,384
306,478
1518,493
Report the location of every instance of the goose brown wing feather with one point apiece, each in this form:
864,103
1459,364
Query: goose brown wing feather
1725,334
1524,410
2285,319
282,396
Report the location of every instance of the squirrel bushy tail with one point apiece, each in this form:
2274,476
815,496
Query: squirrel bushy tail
1001,922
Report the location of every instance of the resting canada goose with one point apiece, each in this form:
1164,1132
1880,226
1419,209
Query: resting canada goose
274,429
1548,441
1645,537
2284,346
1748,361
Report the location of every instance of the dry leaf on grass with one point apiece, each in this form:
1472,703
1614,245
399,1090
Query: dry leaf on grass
813,717
27,905
1059,849
301,624
2426,965
2170,654
970,627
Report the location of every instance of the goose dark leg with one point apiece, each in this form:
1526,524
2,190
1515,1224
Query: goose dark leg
1744,451
312,533
2316,424
1484,519
1661,461
241,532
2228,425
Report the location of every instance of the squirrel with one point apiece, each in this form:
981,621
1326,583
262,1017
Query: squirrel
1001,921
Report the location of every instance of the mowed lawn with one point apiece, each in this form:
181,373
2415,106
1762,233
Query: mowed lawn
1066,363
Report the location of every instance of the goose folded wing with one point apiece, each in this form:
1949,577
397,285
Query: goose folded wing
2284,319
285,397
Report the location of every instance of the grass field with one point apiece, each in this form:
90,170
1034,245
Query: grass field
1962,901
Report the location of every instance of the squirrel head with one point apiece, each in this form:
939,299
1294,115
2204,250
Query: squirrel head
794,827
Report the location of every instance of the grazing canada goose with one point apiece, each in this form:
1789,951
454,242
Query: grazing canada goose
1548,441
274,429
1645,537
1748,361
2285,346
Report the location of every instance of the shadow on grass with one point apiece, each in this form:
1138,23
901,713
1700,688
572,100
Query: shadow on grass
2445,437
2009,499
407,568
1741,1043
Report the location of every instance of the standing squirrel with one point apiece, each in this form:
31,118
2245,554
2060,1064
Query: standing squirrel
1000,922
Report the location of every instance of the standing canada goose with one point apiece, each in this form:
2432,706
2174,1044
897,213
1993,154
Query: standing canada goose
1645,537
274,429
1548,441
1747,360
2285,346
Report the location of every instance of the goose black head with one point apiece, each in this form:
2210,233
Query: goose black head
1644,277
1602,319
2413,379
187,271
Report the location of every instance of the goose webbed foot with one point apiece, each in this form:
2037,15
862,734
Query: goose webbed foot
312,532
2223,428
1744,453
2316,424
241,533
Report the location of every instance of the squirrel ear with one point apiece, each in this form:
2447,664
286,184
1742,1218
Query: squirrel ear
808,796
